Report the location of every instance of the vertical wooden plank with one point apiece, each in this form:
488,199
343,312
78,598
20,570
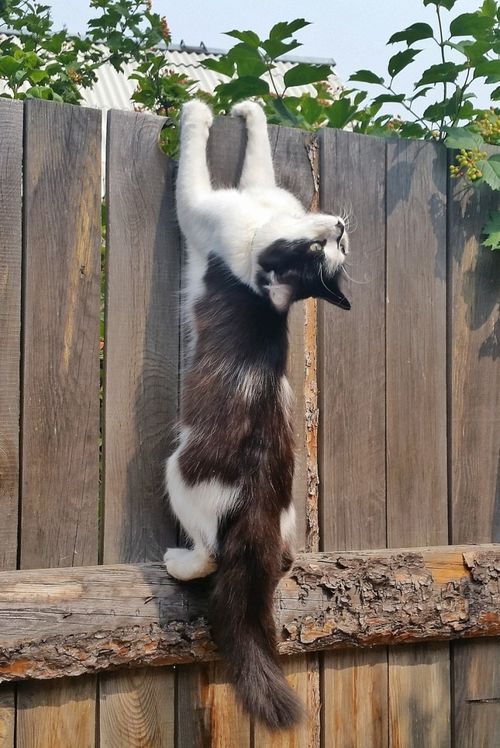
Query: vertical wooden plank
207,711
474,348
141,397
295,160
60,423
11,147
352,421
416,414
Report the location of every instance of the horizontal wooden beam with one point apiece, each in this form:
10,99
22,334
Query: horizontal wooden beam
65,622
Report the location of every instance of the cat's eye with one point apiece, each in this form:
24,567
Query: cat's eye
316,247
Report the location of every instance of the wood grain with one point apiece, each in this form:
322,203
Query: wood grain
136,710
352,420
416,411
11,144
60,422
58,622
474,348
141,393
11,147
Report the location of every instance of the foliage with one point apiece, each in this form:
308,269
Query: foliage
440,106
43,62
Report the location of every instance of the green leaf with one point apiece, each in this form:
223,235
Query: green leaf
475,51
411,130
462,137
247,60
285,115
310,108
491,171
224,66
340,113
495,95
249,37
241,88
304,73
489,8
470,24
9,65
412,33
445,72
422,92
366,76
285,29
275,47
401,60
492,232
448,4
386,98
490,69
37,76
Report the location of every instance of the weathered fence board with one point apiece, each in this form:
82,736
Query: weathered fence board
474,350
60,410
352,390
11,145
416,411
413,363
141,393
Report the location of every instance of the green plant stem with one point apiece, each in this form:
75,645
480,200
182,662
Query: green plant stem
443,59
462,92
409,109
270,67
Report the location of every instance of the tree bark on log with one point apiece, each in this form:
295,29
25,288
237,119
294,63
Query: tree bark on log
66,622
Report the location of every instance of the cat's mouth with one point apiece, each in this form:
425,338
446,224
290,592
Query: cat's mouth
282,289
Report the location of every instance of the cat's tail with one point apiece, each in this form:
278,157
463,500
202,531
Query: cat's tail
242,618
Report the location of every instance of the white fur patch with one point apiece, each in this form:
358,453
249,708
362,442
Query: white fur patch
198,508
287,397
287,525
185,564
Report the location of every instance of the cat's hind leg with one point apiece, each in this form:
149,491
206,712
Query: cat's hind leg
193,176
258,169
189,563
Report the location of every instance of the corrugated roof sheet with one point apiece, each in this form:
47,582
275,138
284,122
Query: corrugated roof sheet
114,90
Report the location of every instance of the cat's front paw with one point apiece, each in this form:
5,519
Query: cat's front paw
196,113
248,110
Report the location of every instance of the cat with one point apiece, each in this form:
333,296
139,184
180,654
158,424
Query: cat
251,252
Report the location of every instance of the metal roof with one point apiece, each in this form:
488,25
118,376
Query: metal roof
113,90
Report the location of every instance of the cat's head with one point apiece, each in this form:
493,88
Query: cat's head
301,258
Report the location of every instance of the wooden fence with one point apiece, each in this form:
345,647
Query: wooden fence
406,445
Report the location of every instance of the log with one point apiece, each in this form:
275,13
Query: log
66,622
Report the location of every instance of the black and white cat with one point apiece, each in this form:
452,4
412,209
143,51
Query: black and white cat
252,252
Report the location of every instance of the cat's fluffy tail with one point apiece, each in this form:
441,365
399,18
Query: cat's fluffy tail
242,619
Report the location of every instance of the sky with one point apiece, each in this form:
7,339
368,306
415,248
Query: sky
352,32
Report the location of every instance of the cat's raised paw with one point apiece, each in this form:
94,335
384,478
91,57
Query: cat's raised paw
185,564
248,110
196,113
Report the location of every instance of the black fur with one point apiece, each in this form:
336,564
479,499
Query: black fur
245,439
